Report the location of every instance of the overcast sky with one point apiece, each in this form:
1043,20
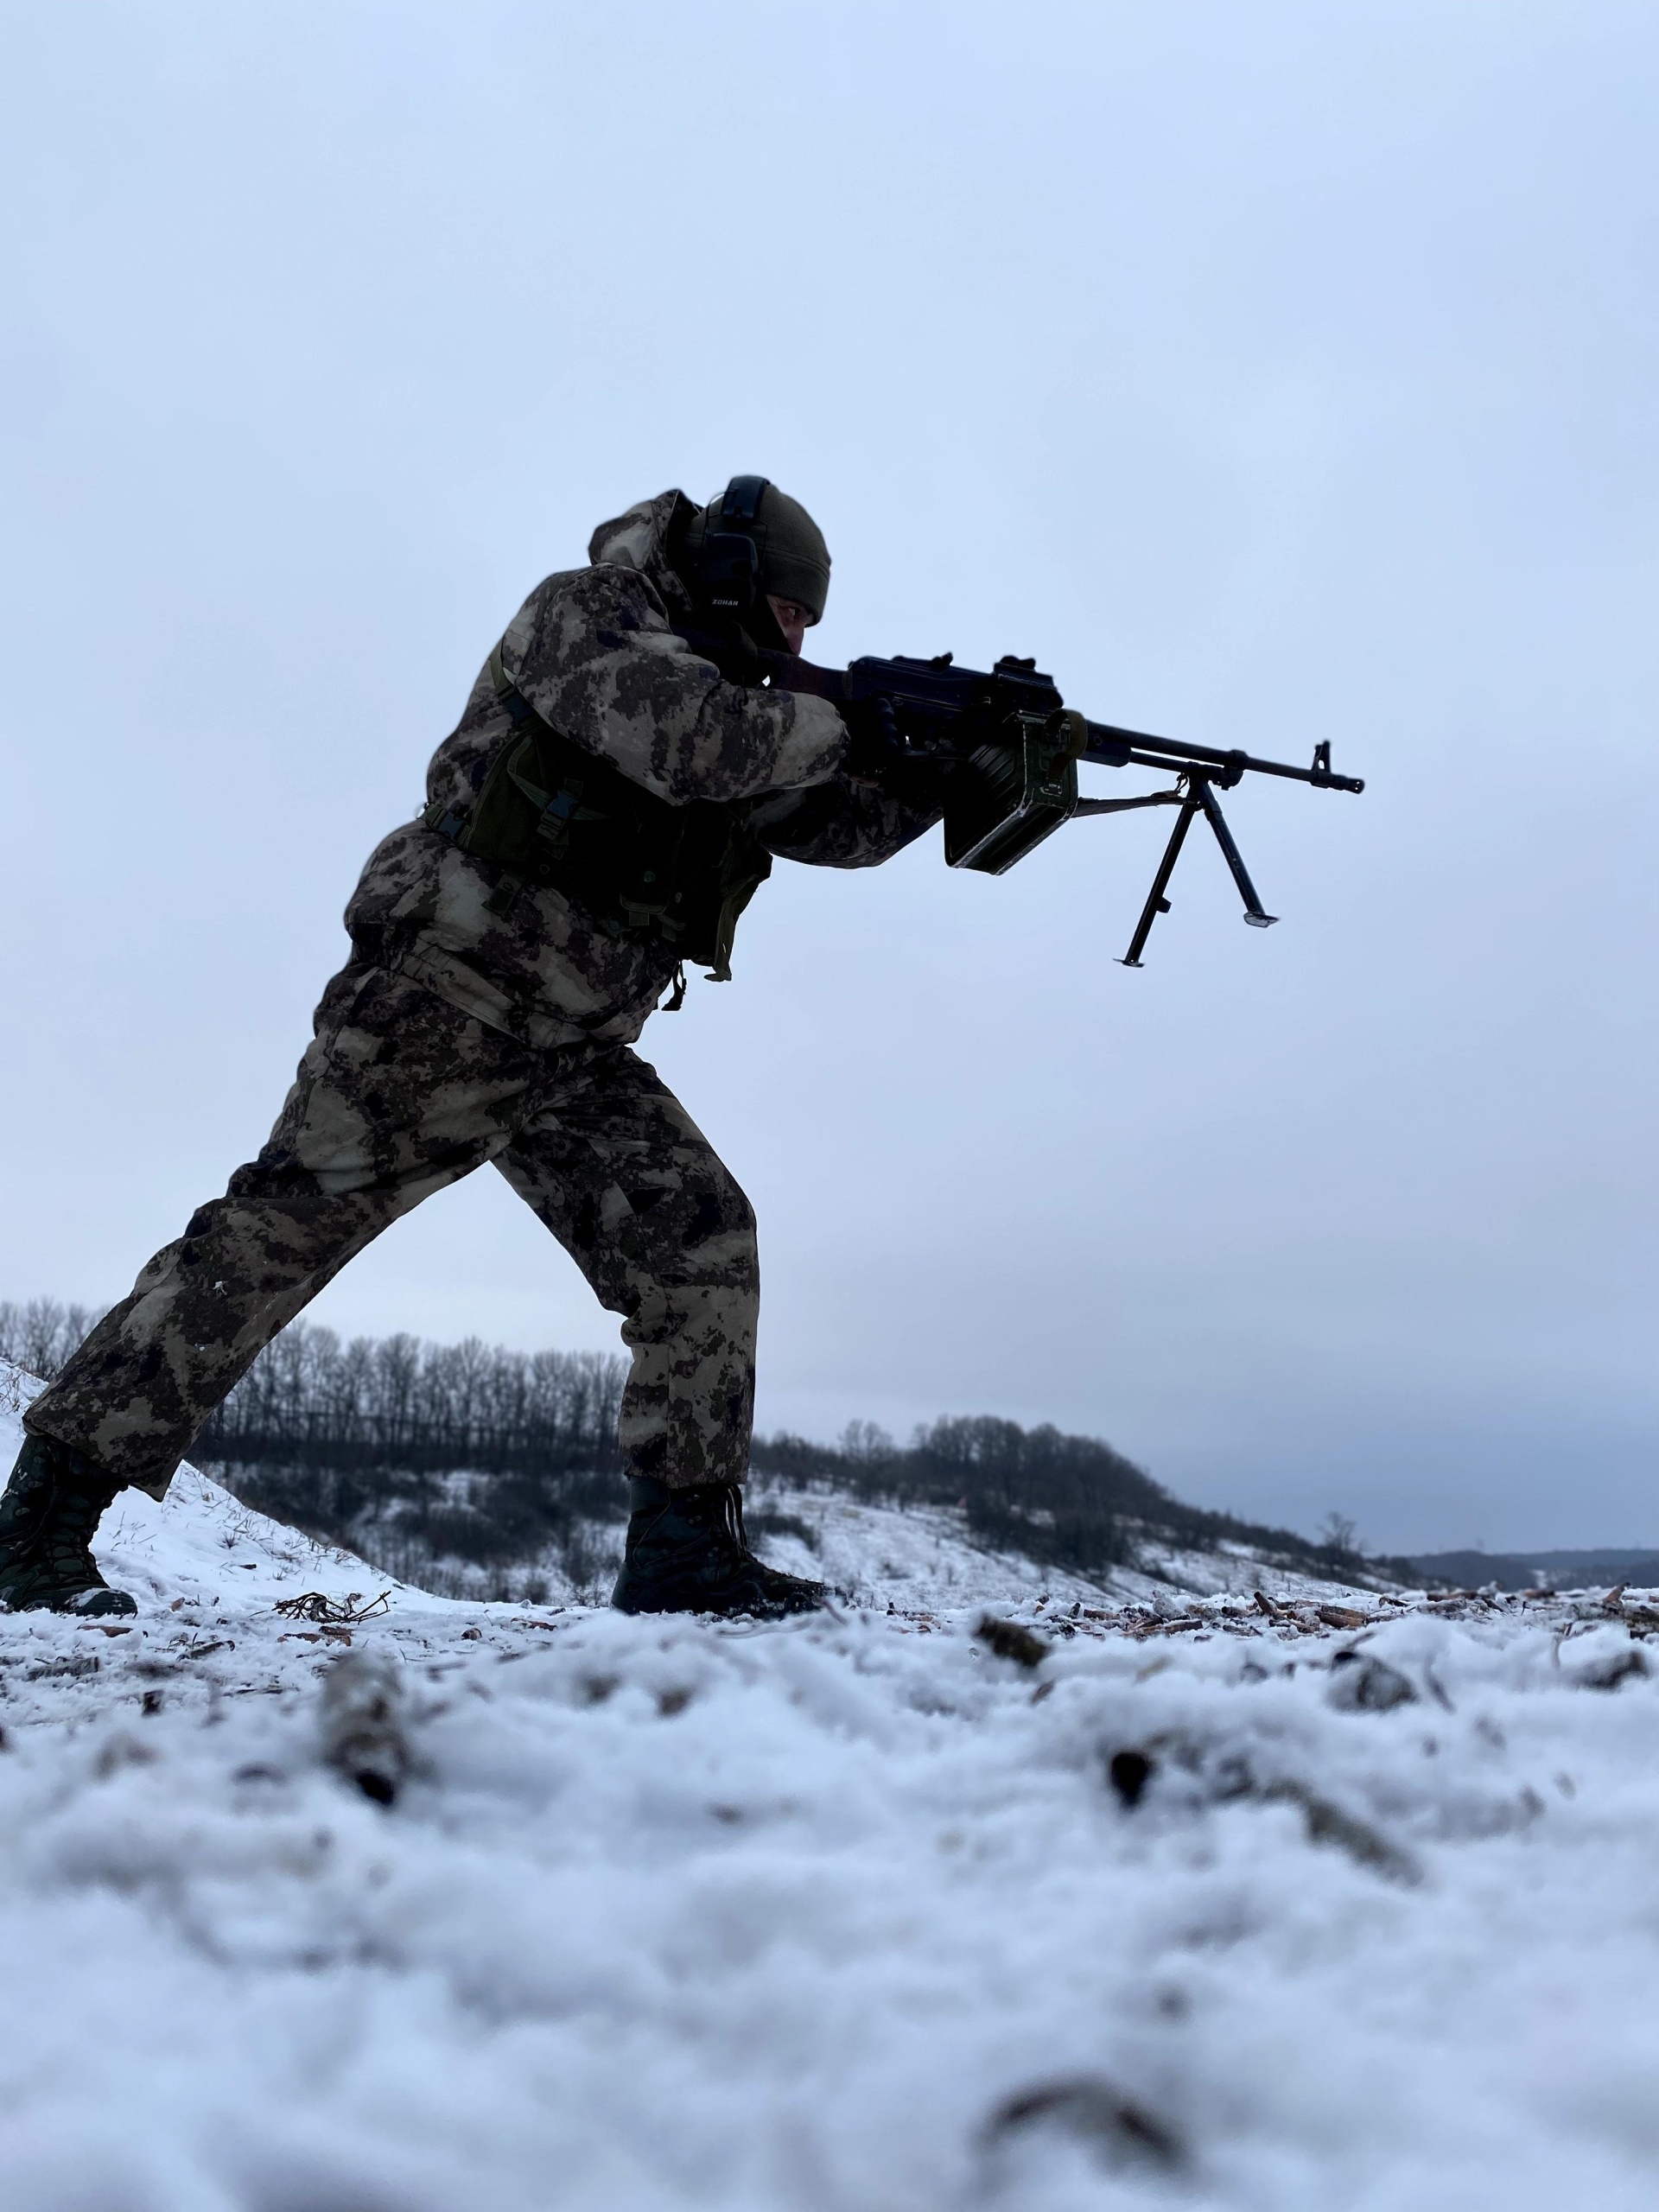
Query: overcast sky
1272,372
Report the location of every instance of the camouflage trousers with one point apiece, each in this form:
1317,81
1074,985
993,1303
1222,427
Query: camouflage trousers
399,1094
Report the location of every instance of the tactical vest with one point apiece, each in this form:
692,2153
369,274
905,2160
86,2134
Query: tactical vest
550,812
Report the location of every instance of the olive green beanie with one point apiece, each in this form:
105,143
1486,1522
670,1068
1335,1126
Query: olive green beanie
794,559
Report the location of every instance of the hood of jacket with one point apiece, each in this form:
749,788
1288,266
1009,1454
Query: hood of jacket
638,539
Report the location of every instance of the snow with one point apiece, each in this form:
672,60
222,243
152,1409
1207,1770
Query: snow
842,1913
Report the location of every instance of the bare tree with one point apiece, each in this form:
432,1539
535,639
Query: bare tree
1338,1533
43,1336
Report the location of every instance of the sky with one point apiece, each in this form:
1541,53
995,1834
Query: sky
1273,372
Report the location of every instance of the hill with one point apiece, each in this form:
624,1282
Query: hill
479,1471
1567,1570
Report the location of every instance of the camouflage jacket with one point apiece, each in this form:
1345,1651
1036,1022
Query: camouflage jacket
594,650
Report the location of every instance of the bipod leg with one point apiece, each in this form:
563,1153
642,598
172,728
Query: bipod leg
1254,913
1156,902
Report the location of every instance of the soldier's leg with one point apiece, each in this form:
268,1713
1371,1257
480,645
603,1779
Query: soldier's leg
622,1175
398,1095
617,1170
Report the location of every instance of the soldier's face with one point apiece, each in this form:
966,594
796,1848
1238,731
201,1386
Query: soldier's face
792,620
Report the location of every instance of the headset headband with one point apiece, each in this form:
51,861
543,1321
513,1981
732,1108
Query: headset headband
741,499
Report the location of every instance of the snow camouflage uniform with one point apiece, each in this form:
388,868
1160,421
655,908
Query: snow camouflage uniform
455,1035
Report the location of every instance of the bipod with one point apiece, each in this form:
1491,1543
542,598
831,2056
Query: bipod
1197,798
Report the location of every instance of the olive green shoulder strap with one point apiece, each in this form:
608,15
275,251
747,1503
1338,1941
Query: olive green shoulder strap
508,693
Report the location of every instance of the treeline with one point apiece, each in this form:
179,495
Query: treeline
1068,1500
405,1451
311,1400
409,1450
41,1335
413,1451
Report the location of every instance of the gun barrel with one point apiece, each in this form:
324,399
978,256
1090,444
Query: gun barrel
1111,747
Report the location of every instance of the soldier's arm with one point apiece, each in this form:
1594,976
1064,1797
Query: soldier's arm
841,823
594,655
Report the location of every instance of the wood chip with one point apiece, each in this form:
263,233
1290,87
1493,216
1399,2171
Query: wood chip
1342,1617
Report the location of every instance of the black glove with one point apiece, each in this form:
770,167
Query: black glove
877,747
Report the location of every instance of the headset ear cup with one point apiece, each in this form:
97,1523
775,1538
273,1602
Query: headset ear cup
729,571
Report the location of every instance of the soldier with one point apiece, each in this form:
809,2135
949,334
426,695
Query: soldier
612,797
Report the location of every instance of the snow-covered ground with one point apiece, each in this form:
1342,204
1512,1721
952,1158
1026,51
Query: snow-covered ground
879,1555
925,1556
1209,1905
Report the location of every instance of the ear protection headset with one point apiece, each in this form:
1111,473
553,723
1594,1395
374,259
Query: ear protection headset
729,560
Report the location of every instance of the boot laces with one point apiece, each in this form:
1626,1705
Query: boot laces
733,1515
27,1498
67,1539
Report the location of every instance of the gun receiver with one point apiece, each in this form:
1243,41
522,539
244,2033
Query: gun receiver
1006,748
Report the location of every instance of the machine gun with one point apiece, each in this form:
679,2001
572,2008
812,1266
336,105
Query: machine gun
1006,748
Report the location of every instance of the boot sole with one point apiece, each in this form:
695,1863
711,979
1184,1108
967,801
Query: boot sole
101,1604
623,1602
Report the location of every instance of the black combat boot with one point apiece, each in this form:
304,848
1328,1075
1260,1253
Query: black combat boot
53,1503
687,1554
